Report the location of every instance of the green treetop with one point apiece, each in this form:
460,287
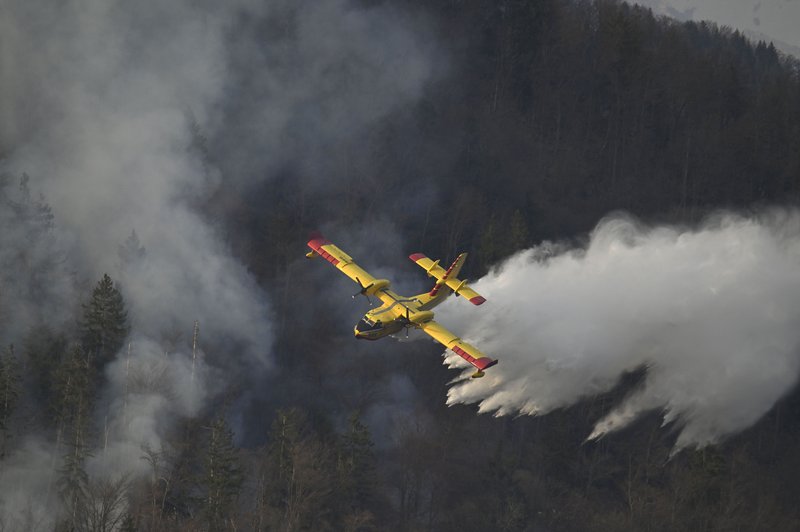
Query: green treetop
105,322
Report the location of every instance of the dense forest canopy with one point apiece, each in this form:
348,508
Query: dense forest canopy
170,361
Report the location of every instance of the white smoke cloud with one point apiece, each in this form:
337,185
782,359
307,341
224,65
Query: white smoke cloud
27,471
150,389
99,105
36,275
712,313
97,112
109,143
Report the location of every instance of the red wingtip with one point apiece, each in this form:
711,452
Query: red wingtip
416,256
315,240
316,243
483,363
477,300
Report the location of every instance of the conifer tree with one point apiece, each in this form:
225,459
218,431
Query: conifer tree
223,476
43,349
105,322
518,232
300,473
9,385
131,250
9,391
74,393
33,266
285,433
356,465
74,381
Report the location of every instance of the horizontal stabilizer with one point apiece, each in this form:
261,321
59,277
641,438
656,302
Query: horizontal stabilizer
448,277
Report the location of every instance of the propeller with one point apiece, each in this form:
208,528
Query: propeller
363,291
407,319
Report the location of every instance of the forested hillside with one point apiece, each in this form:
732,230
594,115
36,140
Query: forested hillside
482,126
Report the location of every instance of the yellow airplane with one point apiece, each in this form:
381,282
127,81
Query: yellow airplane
398,312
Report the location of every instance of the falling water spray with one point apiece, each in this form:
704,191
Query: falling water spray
712,313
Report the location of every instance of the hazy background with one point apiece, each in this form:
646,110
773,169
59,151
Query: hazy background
188,149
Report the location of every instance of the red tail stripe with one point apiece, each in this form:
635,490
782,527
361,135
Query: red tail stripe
450,269
436,287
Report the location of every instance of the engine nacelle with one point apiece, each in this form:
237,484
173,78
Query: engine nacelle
377,286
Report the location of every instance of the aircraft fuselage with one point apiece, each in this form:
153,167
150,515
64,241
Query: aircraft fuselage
394,315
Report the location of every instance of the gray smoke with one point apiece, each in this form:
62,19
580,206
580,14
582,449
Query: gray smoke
312,79
27,485
109,106
37,282
99,111
150,390
713,313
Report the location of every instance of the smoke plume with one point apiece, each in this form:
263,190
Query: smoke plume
712,314
129,117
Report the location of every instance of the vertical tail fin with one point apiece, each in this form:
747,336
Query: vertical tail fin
451,273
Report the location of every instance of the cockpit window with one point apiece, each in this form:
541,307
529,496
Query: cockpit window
367,325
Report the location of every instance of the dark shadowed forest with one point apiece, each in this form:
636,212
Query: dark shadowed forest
531,121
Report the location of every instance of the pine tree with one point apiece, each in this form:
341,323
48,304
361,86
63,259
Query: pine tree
105,322
73,382
356,466
518,232
37,211
43,350
488,245
73,482
223,476
285,433
74,392
9,385
299,474
131,251
9,392
34,270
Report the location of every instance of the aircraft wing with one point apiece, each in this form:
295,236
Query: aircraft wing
468,293
430,266
466,351
344,262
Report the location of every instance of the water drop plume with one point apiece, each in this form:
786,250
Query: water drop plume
711,312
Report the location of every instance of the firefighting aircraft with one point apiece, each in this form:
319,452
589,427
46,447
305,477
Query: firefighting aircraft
398,312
